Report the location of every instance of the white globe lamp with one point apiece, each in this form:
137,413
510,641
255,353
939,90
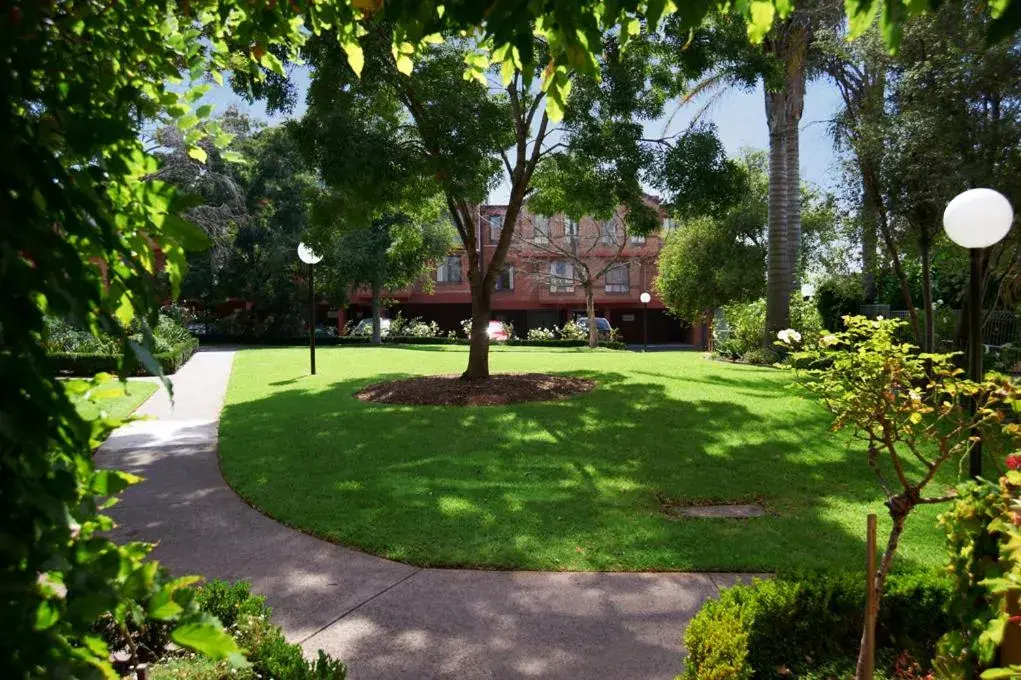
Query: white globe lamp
977,219
309,257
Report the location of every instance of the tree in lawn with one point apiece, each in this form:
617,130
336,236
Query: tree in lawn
387,137
912,412
393,252
564,256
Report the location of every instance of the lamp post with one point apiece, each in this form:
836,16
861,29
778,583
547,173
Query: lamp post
309,257
976,219
645,298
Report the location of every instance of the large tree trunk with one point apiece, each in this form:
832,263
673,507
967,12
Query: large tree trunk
795,106
478,343
590,311
777,271
925,246
869,219
377,306
881,573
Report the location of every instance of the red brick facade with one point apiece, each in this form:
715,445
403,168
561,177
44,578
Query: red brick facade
529,298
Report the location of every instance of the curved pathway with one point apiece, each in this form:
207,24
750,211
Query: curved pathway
385,619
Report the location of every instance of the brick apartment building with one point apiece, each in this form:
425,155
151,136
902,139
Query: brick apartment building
538,287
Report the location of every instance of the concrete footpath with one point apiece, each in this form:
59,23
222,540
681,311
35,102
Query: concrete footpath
386,620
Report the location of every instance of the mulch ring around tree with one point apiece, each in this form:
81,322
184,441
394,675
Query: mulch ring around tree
451,390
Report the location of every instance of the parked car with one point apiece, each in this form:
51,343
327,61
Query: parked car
498,331
603,327
364,327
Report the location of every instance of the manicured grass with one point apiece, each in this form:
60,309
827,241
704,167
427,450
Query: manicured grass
117,399
575,484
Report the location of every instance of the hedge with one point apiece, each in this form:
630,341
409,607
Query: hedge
89,364
810,627
328,341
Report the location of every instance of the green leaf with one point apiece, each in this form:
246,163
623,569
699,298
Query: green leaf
355,55
46,615
198,153
233,157
217,77
760,19
145,357
206,636
404,64
187,233
271,62
187,122
162,606
204,111
110,482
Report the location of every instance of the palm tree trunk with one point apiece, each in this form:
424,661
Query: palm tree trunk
777,270
795,106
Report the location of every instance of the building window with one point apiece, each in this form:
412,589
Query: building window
608,231
561,277
570,228
637,239
449,270
495,227
541,223
617,279
505,281
669,225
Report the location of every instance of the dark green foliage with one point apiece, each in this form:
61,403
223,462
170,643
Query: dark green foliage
836,298
231,602
87,364
793,626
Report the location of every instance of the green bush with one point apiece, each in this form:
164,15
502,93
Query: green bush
744,328
299,341
761,356
796,627
246,617
86,364
838,297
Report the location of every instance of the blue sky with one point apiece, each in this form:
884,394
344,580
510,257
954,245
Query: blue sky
739,117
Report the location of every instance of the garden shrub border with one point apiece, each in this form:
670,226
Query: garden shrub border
772,628
330,341
83,364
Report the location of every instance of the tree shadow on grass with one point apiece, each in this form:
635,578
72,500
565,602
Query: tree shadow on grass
574,484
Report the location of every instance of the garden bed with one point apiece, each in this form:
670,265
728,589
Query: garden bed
452,390
91,363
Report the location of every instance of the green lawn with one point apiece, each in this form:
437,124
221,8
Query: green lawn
114,397
573,485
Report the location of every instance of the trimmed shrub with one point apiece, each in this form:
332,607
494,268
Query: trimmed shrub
89,364
798,627
761,356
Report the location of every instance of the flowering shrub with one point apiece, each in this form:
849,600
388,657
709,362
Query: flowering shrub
573,330
543,333
902,406
413,327
744,327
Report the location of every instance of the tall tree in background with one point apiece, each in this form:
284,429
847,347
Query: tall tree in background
394,133
393,252
939,117
719,256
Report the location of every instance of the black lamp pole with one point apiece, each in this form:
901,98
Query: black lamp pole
975,351
312,317
645,326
